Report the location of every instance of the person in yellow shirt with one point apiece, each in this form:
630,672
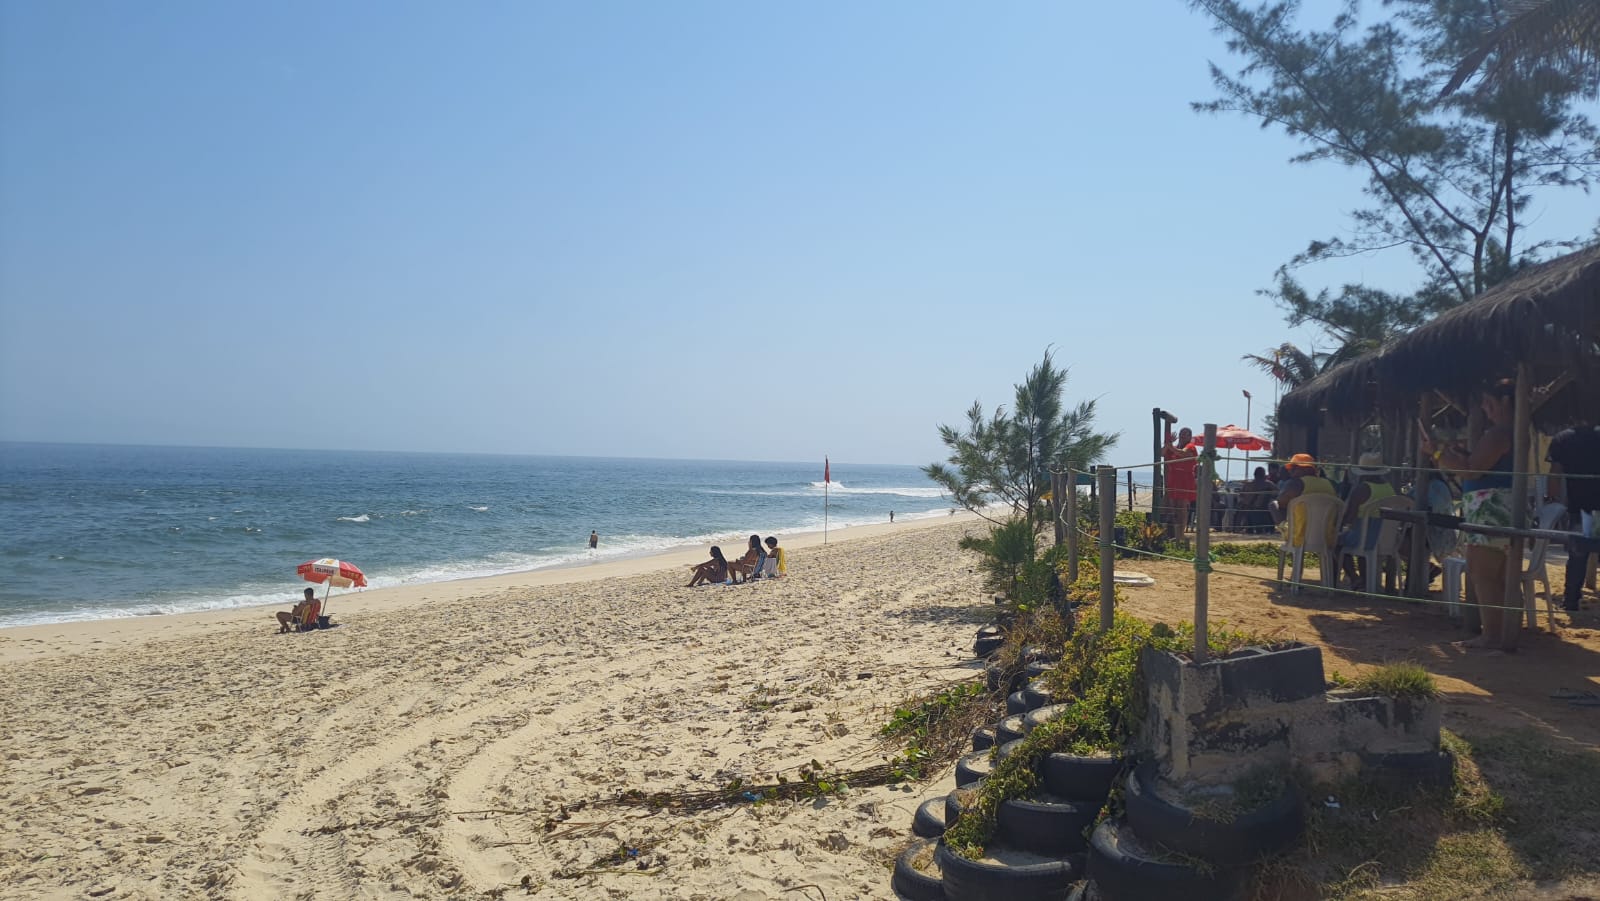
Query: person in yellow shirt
1303,479
776,564
1362,505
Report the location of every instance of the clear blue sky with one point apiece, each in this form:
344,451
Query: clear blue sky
714,230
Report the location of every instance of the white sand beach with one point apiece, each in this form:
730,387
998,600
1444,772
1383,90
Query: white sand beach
453,739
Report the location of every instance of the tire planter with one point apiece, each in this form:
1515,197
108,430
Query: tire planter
983,738
1006,750
957,801
1036,695
929,821
1011,877
1123,868
1080,778
972,768
1036,669
992,677
987,644
1016,702
916,873
1039,653
1036,718
1010,729
1432,768
998,681
1268,829
1046,824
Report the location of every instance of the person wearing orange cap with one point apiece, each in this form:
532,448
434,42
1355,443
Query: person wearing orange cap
1302,479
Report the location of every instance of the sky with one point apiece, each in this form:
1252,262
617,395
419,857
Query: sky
713,230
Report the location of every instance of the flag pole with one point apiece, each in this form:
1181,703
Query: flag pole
827,477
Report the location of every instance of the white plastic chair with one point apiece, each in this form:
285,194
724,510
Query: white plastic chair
1534,571
1388,544
1455,571
1321,514
1537,571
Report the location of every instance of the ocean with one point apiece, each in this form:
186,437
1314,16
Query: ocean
98,531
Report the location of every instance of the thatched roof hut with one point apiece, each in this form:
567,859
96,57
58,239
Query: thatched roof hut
1547,318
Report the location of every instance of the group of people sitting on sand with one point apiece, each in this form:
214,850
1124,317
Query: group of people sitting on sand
759,562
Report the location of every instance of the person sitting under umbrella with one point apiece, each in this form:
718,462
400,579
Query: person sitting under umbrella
303,614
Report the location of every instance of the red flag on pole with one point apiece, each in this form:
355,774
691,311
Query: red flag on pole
825,478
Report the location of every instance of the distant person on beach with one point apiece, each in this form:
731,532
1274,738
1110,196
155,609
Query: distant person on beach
594,539
713,570
1179,477
304,612
891,516
776,564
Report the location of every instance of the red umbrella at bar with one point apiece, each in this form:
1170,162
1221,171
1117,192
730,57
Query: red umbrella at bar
334,572
1231,437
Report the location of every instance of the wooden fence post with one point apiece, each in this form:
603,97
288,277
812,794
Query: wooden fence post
1056,502
1107,477
1521,465
1202,544
1071,480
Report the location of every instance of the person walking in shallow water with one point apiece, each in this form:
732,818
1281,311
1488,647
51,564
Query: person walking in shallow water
891,516
594,539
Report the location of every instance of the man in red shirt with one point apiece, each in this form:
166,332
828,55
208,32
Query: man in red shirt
1179,478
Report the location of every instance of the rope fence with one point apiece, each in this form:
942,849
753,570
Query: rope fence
1207,566
1401,467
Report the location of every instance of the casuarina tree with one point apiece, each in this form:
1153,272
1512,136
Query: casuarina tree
1449,177
1004,459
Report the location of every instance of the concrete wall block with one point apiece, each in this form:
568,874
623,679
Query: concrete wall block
1286,674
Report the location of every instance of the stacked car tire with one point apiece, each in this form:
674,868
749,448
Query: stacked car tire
1039,847
1047,847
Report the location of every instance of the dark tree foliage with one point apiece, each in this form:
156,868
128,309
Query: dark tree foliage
1535,40
1006,458
1448,177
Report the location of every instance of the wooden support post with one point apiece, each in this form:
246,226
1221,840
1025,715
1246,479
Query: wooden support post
1130,490
1056,502
1521,449
1417,567
1107,477
1202,543
1072,527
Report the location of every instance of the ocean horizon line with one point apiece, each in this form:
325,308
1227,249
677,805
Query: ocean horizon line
437,453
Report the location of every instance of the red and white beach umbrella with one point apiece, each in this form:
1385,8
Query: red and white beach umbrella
334,572
1231,437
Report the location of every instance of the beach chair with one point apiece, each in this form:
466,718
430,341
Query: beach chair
1535,569
1386,545
1311,525
310,616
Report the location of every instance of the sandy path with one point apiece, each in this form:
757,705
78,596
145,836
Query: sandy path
236,763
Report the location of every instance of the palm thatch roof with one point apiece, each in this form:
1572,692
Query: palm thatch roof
1547,317
1346,393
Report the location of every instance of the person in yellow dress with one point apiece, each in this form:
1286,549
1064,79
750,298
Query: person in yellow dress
776,564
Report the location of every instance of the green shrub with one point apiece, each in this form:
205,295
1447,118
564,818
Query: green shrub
1100,678
1008,548
1398,680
